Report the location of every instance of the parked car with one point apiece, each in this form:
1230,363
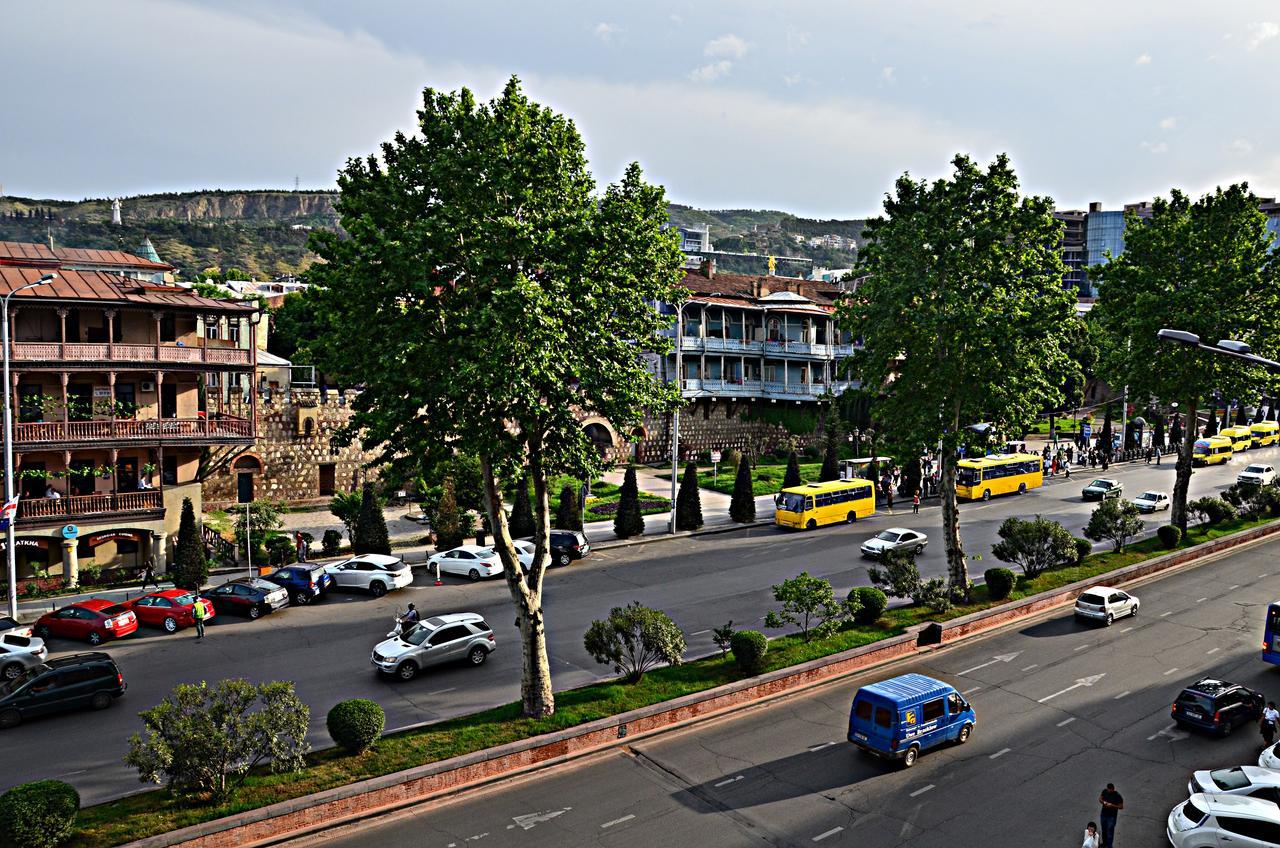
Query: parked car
418,516
470,561
1102,603
435,640
1270,757
249,596
65,683
95,621
1257,474
1213,820
894,539
1152,501
19,653
11,625
373,573
306,582
171,609
566,546
1250,781
1101,489
1216,706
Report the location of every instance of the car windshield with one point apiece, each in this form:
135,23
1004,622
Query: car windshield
886,536
11,686
1100,484
1228,779
790,502
184,600
418,635
1255,469
1148,496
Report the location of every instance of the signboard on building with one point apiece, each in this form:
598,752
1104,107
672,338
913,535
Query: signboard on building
112,536
102,392
28,542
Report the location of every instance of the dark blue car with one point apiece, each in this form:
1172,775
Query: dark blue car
305,581
1216,706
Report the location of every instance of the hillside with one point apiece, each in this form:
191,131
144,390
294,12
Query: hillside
773,233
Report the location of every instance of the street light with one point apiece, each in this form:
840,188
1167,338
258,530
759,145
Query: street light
1224,347
10,538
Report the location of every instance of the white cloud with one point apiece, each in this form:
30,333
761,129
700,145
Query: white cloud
1262,32
1155,148
711,72
796,38
1168,123
1144,59
792,79
726,45
675,19
606,31
1240,147
886,74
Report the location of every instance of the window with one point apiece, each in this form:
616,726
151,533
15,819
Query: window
884,718
932,710
233,331
73,676
211,330
1263,831
449,634
862,709
956,704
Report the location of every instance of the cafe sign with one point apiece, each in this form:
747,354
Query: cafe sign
113,536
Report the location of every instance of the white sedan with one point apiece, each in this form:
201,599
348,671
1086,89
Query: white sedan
475,562
1254,781
1152,501
374,573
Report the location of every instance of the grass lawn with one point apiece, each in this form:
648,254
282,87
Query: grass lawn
765,479
602,505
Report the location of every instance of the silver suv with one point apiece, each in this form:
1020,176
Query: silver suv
435,640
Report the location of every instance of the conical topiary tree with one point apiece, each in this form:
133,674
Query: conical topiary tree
190,568
689,500
1241,418
792,477
742,508
568,515
371,525
830,457
520,524
448,523
1211,428
628,521
1104,438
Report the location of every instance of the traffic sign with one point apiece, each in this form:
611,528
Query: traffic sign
70,531
715,456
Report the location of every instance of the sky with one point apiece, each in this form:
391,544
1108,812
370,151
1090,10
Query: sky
809,106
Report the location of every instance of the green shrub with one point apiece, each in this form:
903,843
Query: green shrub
934,594
1083,548
356,724
999,583
330,542
281,550
871,604
731,458
628,520
1170,535
38,815
749,648
1212,510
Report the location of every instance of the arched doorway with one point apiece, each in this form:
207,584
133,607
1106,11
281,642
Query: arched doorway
245,467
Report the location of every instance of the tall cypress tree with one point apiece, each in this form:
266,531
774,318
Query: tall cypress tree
830,457
448,524
520,524
1104,438
742,508
628,521
190,568
1211,428
371,525
568,515
689,500
793,472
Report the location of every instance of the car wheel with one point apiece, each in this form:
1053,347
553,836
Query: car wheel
12,671
101,700
810,524
965,731
301,598
986,494
477,656
852,517
94,638
1110,618
10,718
170,625
564,559
1134,613
407,670
43,632
473,575
378,588
255,612
919,549
909,759
1022,488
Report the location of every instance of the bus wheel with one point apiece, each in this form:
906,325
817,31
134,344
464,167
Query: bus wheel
1022,488
810,524
853,517
986,494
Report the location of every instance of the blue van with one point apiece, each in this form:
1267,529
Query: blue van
899,718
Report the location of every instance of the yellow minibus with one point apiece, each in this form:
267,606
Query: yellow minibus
1214,450
998,474
813,504
1265,433
1241,437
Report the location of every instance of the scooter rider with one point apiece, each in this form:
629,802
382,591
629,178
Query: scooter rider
409,620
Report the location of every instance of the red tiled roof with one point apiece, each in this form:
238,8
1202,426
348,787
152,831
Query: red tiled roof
38,254
102,287
753,287
27,253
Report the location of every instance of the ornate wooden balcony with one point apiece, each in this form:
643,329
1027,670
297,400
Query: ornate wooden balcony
172,430
54,510
48,353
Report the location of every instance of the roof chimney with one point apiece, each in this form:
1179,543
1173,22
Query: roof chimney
1095,207
709,268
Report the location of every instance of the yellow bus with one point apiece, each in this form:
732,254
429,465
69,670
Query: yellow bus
1265,433
998,474
1214,450
1241,437
813,504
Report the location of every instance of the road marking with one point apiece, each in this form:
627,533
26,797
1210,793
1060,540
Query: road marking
1081,648
443,691
922,790
823,745
832,832
1163,614
1170,671
1033,665
1083,681
618,821
999,753
730,780
1168,730
1201,600
1233,588
531,819
1126,630
699,632
1264,574
970,689
1121,695
1066,721
1004,658
69,773
1213,651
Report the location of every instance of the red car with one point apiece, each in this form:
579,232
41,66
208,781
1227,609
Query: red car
170,609
94,620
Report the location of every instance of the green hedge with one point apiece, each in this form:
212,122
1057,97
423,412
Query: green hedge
356,724
38,815
749,648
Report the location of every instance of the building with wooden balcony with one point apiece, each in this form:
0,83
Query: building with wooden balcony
124,389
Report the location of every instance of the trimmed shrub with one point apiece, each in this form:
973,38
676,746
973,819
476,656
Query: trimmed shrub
448,522
370,532
1083,548
281,550
569,512
689,500
521,523
38,815
356,724
190,568
1170,535
749,648
628,521
792,477
871,604
732,458
330,542
1000,583
1212,510
742,507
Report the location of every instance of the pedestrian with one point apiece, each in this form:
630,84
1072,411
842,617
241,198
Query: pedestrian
197,613
1158,452
298,546
1112,803
1067,470
1090,836
149,573
915,503
306,549
888,496
1267,723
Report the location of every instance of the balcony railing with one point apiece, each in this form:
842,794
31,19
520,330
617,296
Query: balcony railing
164,429
121,352
37,509
766,347
763,389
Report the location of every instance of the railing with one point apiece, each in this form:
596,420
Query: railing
766,346
128,352
763,388
38,508
190,429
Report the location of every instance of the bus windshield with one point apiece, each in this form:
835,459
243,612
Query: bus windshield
968,476
790,501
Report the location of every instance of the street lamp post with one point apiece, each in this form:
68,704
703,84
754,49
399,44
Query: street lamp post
1224,347
10,533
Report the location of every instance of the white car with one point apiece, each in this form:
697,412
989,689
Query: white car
19,653
1152,501
1270,757
471,561
1251,781
1212,820
894,539
1102,603
1257,474
374,573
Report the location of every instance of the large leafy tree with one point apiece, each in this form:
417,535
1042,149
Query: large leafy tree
962,316
1205,267
487,296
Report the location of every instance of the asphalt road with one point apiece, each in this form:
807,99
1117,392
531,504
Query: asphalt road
1067,708
701,581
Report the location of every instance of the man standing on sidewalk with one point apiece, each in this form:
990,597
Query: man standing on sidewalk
1112,803
197,612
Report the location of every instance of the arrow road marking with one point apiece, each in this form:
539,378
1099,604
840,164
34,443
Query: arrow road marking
1004,658
1168,730
730,780
531,819
1083,681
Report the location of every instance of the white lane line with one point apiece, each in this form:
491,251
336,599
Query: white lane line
1264,574
618,821
823,745
970,689
1121,695
999,753
1033,665
1201,600
1233,588
832,832
1163,614
443,691
699,632
1212,651
1066,721
1170,671
69,773
1081,648
730,780
1126,630
922,790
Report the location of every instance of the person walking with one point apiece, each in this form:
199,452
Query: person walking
1112,803
299,547
915,503
888,496
1090,836
1267,723
149,573
197,612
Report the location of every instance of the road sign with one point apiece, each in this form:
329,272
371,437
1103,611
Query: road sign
1087,429
715,456
70,531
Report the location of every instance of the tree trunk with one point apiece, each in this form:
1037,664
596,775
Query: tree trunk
1182,481
537,700
957,565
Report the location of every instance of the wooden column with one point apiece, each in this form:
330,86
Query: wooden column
111,333
160,458
111,384
115,475
159,393
62,319
66,411
157,315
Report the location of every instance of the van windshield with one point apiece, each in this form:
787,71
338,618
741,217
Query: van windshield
968,476
790,502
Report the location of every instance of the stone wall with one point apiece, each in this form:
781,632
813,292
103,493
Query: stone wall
713,425
294,441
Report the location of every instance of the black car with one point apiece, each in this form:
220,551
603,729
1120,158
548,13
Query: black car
1216,706
66,683
306,581
249,596
568,545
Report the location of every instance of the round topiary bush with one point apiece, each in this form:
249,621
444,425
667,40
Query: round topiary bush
749,648
871,604
1083,548
38,815
356,724
1000,582
1170,535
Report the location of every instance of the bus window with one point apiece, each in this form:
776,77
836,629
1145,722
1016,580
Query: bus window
790,501
808,503
968,476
